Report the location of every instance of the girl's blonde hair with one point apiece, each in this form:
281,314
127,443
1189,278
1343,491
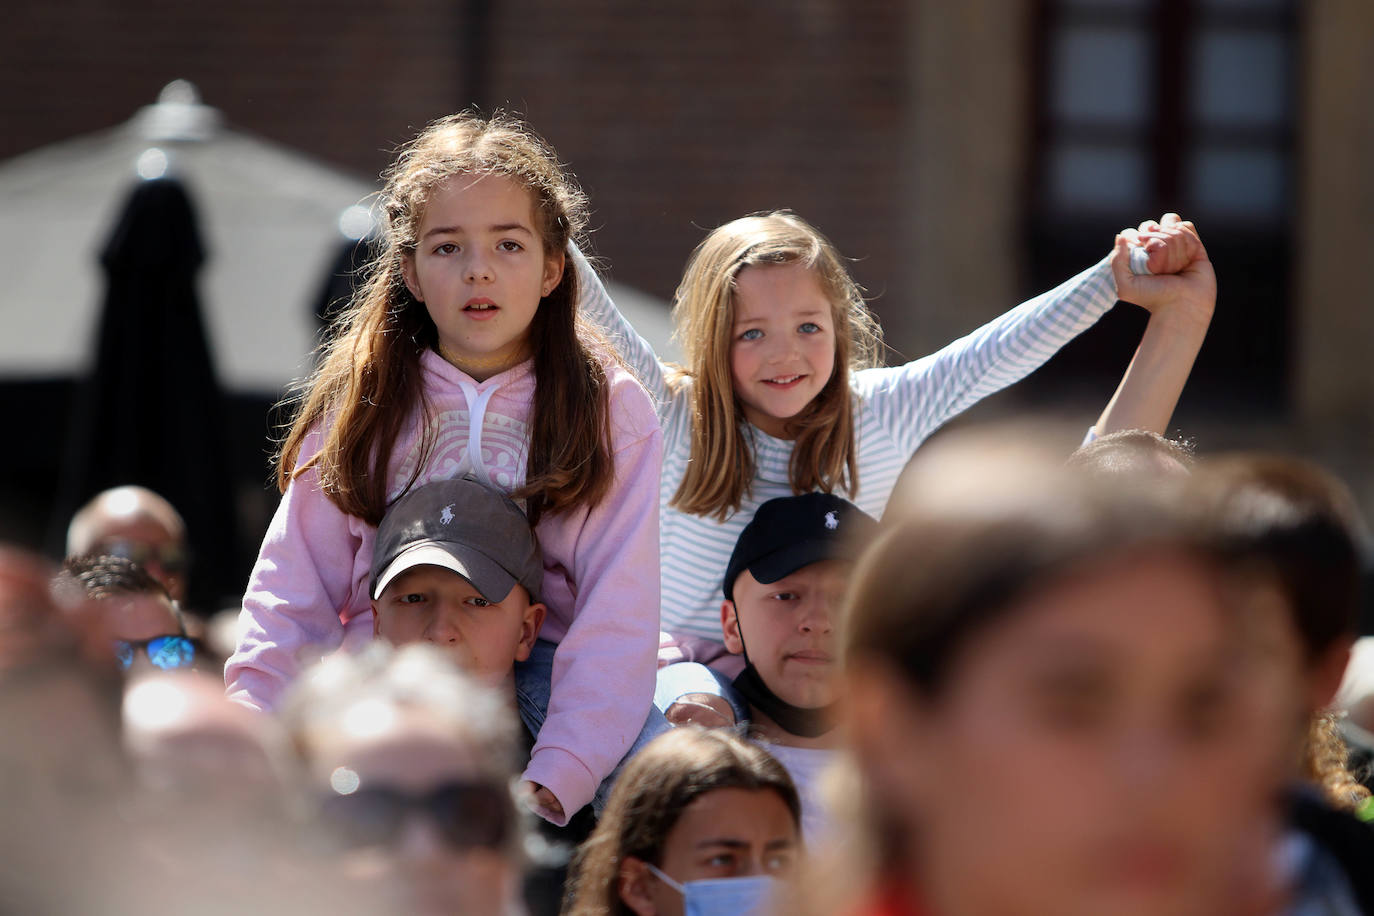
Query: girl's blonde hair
368,384
657,786
721,466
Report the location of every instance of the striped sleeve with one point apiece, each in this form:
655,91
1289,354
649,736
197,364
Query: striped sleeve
598,308
910,402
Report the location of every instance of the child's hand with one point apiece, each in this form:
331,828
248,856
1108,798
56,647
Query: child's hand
1181,285
1180,293
701,709
540,800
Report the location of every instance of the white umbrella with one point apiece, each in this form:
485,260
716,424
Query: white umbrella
272,220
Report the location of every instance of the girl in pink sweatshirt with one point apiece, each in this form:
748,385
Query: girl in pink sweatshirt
464,355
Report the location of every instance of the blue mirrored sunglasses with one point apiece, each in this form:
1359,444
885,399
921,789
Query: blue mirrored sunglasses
165,652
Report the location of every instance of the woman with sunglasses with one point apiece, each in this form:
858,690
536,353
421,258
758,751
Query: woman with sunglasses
133,610
406,770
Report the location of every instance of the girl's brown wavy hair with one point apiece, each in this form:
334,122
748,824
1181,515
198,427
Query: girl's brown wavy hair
368,385
824,454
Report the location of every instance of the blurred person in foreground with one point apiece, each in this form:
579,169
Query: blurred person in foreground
61,769
127,606
1294,524
1291,524
137,524
1056,706
406,771
701,823
189,744
208,820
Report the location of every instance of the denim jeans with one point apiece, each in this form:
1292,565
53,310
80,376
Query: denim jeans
681,678
534,684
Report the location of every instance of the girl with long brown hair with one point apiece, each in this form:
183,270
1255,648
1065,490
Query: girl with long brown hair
463,356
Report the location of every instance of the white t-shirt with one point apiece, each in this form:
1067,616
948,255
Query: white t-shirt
806,766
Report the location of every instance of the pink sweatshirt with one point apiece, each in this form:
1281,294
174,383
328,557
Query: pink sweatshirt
308,594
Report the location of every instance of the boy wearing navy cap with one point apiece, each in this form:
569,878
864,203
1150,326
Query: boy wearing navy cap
457,565
783,588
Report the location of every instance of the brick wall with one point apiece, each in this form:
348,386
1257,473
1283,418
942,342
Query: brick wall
679,115
676,115
334,79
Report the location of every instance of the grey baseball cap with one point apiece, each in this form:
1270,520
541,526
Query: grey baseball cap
464,526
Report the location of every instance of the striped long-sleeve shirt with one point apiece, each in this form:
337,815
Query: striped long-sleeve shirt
896,409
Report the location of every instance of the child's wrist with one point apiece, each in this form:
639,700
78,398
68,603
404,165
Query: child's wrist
1184,320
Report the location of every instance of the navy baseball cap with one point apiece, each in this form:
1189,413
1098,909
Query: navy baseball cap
790,532
463,526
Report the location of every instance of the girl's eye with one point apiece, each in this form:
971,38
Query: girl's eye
446,248
751,334
509,245
779,862
810,327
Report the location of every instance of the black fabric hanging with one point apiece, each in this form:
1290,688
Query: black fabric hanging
151,411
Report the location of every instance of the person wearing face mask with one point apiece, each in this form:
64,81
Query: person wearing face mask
701,823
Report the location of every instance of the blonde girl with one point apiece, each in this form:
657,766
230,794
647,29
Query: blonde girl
781,392
463,356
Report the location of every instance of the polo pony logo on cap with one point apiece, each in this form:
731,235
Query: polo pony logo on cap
447,515
831,520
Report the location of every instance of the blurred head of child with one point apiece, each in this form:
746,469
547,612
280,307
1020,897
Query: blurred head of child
406,769
456,565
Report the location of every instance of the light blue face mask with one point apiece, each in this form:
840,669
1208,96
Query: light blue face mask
747,896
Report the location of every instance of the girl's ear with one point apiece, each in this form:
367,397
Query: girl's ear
412,281
632,884
729,627
553,271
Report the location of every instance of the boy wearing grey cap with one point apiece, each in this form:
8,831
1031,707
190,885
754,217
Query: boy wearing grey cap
456,565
